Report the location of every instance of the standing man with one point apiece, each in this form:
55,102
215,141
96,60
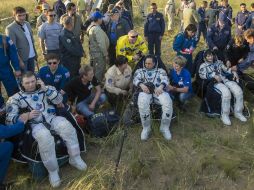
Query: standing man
218,37
71,49
71,11
202,24
43,17
8,52
98,46
214,4
154,30
250,20
241,19
225,12
117,27
21,34
190,16
49,34
170,12
59,8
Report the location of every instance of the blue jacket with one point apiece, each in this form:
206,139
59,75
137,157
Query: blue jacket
7,55
225,14
217,37
11,130
58,79
250,20
182,80
182,42
214,4
201,12
154,24
241,18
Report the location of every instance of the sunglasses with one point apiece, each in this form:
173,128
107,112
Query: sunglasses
52,15
53,62
134,36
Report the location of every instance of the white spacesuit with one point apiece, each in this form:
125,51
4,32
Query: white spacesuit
155,77
43,101
216,69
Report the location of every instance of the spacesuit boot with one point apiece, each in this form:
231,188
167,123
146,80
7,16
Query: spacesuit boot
77,162
164,129
146,124
225,109
54,178
238,109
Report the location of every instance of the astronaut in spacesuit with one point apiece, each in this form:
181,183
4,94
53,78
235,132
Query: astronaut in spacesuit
40,100
213,69
152,81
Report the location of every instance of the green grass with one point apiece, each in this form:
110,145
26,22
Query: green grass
203,154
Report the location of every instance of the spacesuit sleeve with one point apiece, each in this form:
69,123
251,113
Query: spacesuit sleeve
178,43
110,84
137,78
12,109
164,77
53,95
12,51
203,74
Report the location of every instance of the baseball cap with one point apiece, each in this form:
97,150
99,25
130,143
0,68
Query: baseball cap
45,6
114,11
96,15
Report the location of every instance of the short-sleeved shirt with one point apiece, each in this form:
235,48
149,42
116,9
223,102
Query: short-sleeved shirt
181,80
58,79
50,33
75,88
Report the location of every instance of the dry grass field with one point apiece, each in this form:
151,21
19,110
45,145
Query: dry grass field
203,154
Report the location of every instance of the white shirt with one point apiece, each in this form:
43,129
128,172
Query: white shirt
29,39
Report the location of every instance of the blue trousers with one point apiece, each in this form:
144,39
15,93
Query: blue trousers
6,149
182,97
83,106
154,43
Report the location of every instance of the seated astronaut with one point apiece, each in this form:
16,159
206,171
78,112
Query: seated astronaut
40,100
215,70
152,81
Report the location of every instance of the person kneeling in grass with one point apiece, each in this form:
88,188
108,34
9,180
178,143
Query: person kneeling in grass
180,86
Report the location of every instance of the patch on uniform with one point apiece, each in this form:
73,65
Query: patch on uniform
202,69
110,81
167,114
68,40
35,98
159,80
11,42
90,87
67,75
158,18
48,75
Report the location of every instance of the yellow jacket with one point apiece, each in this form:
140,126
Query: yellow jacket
124,47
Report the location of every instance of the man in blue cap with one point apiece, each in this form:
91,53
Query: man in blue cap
8,52
98,46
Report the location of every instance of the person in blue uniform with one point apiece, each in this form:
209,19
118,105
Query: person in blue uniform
8,53
6,147
225,12
202,24
154,30
218,37
180,85
185,43
240,19
250,20
54,74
